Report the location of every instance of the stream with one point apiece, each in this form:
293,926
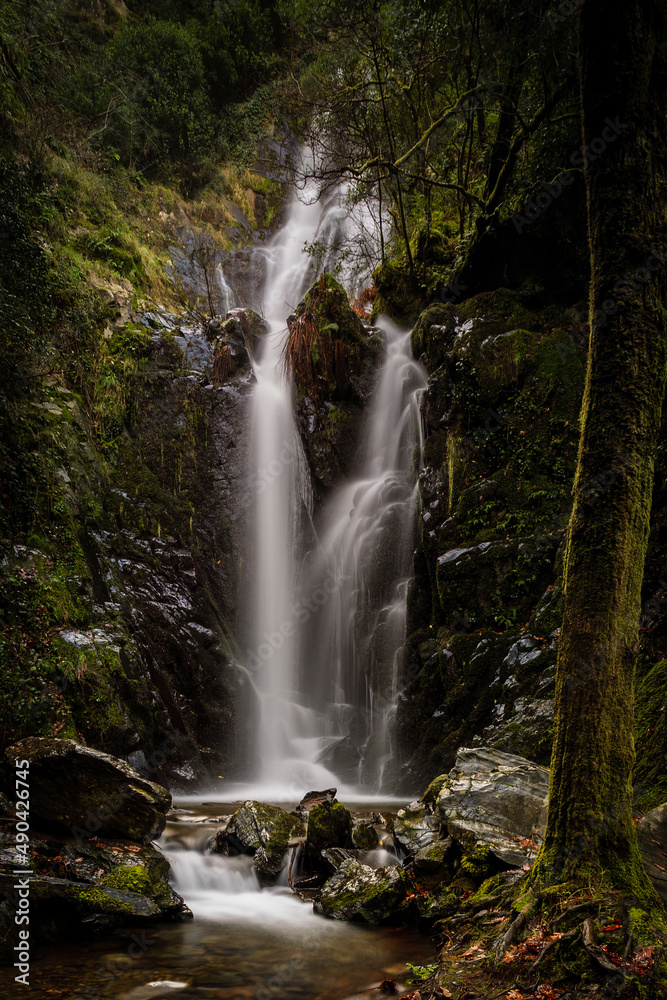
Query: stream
244,942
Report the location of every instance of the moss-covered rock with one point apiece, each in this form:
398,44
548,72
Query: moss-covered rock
365,895
434,859
329,825
87,792
265,831
365,836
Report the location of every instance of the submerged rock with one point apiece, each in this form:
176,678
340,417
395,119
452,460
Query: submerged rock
367,895
497,800
86,792
265,831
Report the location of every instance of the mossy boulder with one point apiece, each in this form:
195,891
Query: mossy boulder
430,796
265,831
86,888
86,792
329,825
439,904
435,859
365,895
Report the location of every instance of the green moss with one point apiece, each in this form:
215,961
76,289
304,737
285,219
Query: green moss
329,825
134,878
650,771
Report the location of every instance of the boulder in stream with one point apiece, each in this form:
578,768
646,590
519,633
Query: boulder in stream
86,792
366,895
365,836
329,825
265,831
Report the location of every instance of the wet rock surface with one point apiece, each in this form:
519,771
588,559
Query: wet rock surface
498,800
266,832
86,792
415,827
88,858
501,410
652,837
359,893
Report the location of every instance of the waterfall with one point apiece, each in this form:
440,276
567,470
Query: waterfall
283,501
367,540
326,675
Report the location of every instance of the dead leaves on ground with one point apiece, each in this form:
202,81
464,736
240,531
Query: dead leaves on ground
638,964
543,992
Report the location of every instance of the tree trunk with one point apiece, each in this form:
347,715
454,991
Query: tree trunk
622,77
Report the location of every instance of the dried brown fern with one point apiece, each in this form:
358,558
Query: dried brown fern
222,362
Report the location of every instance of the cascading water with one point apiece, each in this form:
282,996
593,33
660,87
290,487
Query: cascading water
327,674
351,648
282,503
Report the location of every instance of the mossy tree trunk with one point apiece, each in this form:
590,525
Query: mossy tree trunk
622,76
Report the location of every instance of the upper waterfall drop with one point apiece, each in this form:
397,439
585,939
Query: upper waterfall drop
320,611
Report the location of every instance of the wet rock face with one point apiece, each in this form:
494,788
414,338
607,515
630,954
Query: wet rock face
415,827
86,792
365,895
652,837
330,419
501,410
265,831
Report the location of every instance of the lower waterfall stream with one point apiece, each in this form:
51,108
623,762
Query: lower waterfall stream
244,943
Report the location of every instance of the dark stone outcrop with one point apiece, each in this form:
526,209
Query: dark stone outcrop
88,860
85,792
